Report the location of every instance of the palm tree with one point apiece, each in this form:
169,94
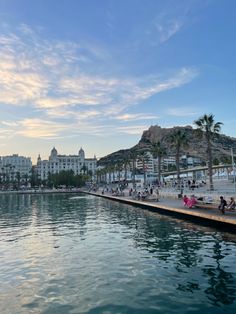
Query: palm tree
110,169
133,156
158,151
143,157
99,173
179,139
118,168
126,161
207,128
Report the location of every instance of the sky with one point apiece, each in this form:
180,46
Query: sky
97,73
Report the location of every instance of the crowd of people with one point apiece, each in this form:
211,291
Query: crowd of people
152,191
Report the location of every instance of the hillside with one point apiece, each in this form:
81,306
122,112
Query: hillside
221,144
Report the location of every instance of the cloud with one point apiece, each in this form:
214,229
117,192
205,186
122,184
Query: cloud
132,130
21,88
10,123
135,116
117,93
182,111
171,19
38,128
167,30
55,85
5,133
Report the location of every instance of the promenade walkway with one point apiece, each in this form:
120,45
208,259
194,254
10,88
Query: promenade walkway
175,207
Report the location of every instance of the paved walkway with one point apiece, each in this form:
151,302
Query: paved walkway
175,206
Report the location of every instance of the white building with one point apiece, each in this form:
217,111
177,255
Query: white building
190,161
149,163
56,163
14,166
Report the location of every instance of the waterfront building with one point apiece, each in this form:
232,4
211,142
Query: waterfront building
187,161
14,168
56,163
149,163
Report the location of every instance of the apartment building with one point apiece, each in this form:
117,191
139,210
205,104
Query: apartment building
15,167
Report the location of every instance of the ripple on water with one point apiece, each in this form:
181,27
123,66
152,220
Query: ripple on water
87,255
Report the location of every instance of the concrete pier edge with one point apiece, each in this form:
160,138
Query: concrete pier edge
221,222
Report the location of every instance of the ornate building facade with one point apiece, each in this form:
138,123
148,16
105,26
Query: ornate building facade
56,163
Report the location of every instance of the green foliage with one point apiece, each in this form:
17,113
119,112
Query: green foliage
226,159
171,168
216,162
178,139
207,128
34,179
66,178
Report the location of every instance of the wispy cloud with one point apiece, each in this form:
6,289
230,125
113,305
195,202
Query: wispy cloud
171,19
133,129
5,133
55,82
168,29
136,116
182,111
37,128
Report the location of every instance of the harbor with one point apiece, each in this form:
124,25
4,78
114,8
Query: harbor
169,203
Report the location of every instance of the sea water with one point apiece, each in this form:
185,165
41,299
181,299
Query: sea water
64,253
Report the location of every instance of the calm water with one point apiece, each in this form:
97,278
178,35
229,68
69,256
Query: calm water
84,254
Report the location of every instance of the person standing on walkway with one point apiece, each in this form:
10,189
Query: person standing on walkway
222,205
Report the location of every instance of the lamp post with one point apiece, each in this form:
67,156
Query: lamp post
233,166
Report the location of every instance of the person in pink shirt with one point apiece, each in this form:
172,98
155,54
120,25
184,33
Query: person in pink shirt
192,201
185,200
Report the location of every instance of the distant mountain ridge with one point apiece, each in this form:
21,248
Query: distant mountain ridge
221,149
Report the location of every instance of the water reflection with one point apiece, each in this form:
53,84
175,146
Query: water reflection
89,255
167,240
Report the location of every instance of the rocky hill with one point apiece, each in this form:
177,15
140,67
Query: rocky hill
197,147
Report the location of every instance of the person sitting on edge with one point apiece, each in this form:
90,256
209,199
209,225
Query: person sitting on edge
185,200
222,205
192,201
232,203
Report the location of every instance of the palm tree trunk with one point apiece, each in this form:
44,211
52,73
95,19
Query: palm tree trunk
178,169
210,165
133,172
159,170
144,174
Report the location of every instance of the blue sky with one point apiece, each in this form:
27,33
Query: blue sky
97,73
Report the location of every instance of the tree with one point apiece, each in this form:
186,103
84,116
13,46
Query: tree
208,129
99,175
143,157
66,178
158,151
84,169
126,161
18,178
179,140
133,156
109,169
118,168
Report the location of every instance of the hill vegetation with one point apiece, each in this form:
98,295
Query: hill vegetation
221,145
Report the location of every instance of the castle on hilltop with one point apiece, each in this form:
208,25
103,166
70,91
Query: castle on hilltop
56,163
